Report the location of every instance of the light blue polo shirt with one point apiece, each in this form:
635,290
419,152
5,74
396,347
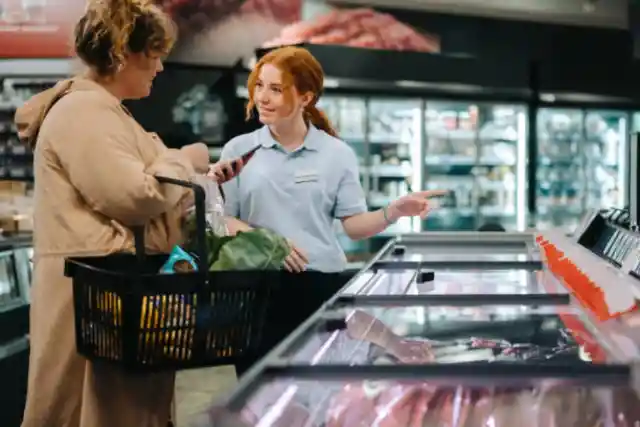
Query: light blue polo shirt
297,194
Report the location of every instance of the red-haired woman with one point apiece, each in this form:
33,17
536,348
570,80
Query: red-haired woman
303,176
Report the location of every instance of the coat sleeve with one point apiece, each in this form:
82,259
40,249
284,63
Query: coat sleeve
97,149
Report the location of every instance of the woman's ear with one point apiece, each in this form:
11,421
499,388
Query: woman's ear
307,98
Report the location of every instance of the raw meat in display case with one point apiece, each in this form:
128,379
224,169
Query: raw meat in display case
451,334
481,334
423,404
371,403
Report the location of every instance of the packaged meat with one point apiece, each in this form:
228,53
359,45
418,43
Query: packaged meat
168,319
453,334
483,334
429,404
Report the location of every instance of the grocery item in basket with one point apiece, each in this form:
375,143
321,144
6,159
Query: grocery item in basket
166,322
179,262
214,208
257,249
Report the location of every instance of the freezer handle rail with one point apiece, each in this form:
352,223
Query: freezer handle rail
467,237
463,300
513,373
400,264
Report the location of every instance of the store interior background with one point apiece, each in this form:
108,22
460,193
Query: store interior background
525,110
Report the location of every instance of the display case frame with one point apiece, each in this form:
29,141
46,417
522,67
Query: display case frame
519,250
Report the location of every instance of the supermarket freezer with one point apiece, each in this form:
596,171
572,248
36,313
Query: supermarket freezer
338,374
383,353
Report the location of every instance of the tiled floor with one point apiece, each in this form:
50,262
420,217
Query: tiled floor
197,389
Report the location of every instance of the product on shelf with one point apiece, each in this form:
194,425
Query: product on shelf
16,162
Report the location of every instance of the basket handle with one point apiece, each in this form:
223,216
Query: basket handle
201,223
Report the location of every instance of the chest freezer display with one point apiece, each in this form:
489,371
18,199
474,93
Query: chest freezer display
453,334
292,402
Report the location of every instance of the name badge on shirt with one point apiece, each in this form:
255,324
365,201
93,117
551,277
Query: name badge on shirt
305,176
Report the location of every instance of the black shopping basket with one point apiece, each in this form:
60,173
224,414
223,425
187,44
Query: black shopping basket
128,313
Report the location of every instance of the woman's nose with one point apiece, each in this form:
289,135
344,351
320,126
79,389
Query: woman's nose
261,97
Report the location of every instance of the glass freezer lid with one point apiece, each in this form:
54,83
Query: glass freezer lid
442,255
456,282
450,335
291,402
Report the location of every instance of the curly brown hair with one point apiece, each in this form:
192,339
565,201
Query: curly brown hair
109,29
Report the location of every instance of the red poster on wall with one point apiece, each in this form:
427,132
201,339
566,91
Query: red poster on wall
38,28
358,27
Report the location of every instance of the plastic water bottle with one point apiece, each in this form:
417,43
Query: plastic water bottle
215,210
214,205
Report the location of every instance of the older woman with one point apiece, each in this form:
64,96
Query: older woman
94,169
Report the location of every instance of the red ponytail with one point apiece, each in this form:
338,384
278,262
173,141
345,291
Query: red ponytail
320,120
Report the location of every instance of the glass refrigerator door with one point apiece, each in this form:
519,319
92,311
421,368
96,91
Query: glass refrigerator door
635,125
348,116
476,151
394,135
501,167
560,174
451,152
605,153
581,164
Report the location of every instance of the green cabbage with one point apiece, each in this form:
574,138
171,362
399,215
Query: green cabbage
256,249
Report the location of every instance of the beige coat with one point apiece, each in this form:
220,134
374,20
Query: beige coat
94,167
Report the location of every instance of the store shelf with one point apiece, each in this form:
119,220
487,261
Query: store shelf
16,162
